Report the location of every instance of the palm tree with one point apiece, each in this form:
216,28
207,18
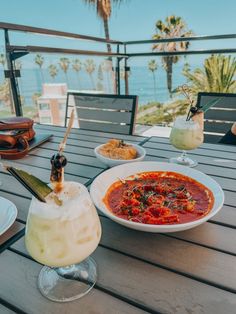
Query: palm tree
39,60
2,60
77,66
104,10
5,94
53,70
152,66
64,64
173,27
90,68
218,75
106,67
100,78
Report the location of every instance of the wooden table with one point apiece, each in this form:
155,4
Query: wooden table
186,272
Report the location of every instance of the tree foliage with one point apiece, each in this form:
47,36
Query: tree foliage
217,75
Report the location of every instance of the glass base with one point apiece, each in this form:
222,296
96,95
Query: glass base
184,161
69,283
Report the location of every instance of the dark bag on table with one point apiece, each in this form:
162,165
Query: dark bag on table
15,133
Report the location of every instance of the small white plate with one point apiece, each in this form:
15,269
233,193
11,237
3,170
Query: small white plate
101,184
115,162
8,214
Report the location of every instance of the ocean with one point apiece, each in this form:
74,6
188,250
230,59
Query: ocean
140,82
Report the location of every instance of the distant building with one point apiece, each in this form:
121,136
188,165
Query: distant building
52,104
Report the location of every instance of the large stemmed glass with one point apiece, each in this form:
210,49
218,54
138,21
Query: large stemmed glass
186,135
62,238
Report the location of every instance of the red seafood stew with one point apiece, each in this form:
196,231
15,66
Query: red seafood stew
159,198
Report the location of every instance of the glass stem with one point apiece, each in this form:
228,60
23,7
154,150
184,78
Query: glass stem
183,156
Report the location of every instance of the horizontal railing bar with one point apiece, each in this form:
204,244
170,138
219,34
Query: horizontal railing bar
41,49
120,55
176,39
44,31
175,53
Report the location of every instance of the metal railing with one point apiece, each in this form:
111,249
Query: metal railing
13,52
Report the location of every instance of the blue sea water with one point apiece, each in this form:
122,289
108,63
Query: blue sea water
141,82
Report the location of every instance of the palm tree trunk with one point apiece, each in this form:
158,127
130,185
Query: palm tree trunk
42,77
106,30
78,78
92,81
154,84
169,70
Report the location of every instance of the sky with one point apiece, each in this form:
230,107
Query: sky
131,20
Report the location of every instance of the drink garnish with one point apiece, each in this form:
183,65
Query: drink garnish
35,186
59,161
196,109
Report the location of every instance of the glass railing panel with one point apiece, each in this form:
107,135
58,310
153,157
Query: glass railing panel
46,78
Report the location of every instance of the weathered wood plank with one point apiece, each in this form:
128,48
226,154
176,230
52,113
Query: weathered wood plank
215,171
71,168
214,147
44,174
191,259
11,232
19,282
199,151
82,160
214,161
70,149
210,235
11,185
135,138
5,310
227,215
156,288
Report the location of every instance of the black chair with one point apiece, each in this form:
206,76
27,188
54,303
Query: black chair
103,112
220,117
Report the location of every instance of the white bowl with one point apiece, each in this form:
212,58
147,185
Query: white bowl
101,184
115,162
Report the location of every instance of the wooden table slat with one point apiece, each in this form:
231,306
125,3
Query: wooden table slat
11,232
208,146
108,135
207,169
23,279
154,289
5,310
199,151
201,159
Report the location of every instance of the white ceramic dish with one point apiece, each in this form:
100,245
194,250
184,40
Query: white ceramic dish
105,179
8,213
115,162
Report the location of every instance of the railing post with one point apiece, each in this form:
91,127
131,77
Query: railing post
13,81
126,74
118,71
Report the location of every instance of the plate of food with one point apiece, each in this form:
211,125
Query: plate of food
157,197
8,213
116,152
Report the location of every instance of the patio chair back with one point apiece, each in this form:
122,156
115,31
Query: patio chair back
103,112
220,117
